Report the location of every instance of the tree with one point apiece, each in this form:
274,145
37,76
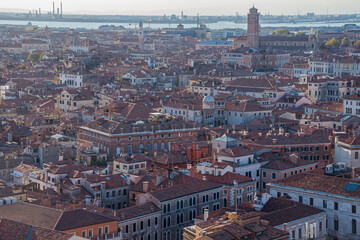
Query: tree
333,42
357,44
282,32
20,66
34,57
345,42
300,34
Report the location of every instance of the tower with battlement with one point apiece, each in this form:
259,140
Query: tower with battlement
253,31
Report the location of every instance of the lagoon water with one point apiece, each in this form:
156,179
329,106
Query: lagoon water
217,25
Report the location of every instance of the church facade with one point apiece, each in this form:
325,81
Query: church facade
254,39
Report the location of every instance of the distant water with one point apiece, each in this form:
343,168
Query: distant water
217,25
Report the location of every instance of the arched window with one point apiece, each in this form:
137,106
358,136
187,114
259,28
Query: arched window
148,147
155,146
164,223
162,146
168,221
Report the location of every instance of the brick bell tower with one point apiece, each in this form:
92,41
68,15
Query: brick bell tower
253,30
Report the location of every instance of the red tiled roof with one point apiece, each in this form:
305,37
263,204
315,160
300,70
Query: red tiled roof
320,183
189,186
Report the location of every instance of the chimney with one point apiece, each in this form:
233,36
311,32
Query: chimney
206,214
169,173
145,186
352,173
293,158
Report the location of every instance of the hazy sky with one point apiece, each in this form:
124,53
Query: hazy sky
190,7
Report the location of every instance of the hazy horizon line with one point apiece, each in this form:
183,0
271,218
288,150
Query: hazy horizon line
109,13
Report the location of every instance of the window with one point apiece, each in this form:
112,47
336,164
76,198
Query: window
336,224
149,223
324,204
127,229
300,233
300,199
90,233
356,155
134,227
311,202
141,225
336,206
164,223
320,226
353,209
264,174
100,231
83,234
106,230
249,197
156,221
353,226
273,175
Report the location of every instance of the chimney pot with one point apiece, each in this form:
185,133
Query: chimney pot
206,214
145,186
